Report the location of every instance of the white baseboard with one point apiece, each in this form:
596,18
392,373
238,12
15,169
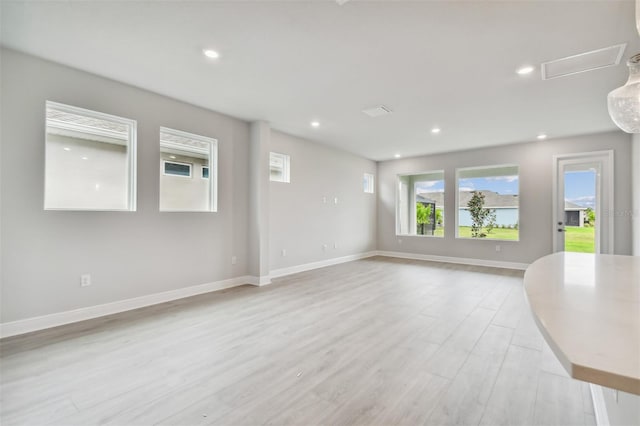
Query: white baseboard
28,325
259,281
599,406
53,320
458,260
320,264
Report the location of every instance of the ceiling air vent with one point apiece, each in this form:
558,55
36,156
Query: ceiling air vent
377,111
588,61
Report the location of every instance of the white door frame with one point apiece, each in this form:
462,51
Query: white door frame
604,198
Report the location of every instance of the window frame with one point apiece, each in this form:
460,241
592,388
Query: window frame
369,179
180,163
202,176
132,149
412,209
286,167
213,165
457,205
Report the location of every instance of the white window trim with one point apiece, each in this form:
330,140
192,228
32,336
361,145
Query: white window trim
131,151
371,183
213,166
412,207
286,167
164,168
491,166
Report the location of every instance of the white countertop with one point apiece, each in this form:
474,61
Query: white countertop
588,309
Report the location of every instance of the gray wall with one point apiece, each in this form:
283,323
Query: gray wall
536,176
128,254
301,222
258,241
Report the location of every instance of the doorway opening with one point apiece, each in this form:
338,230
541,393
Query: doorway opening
583,202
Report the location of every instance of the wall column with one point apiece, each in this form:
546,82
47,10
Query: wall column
259,207
635,192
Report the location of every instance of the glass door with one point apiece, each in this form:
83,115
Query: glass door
583,203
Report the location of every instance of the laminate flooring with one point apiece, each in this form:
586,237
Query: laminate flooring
378,341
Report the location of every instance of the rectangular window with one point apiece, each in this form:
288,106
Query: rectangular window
279,167
177,169
488,202
420,204
90,160
182,156
368,183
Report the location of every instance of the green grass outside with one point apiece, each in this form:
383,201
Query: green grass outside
580,240
495,234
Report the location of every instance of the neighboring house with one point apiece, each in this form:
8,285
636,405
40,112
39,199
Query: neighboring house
574,215
436,198
429,200
505,205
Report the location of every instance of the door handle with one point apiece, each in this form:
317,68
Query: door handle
561,230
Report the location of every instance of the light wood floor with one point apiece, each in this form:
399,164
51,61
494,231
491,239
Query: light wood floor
377,341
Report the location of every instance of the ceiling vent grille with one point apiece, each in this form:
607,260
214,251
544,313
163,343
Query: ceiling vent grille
377,111
588,61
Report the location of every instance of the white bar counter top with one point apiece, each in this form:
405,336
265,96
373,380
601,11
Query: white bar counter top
588,309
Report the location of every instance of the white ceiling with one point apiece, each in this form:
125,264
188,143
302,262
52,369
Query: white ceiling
445,63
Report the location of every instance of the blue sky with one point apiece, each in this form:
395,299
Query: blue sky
580,188
499,184
430,186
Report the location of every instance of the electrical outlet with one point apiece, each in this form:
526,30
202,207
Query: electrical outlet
85,280
284,252
498,248
324,200
335,200
335,245
324,247
234,260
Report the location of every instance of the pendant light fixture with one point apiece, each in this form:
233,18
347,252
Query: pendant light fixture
624,102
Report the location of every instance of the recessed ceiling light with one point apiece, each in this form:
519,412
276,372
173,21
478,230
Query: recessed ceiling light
85,158
542,136
209,53
435,130
173,157
66,148
315,124
397,155
525,70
